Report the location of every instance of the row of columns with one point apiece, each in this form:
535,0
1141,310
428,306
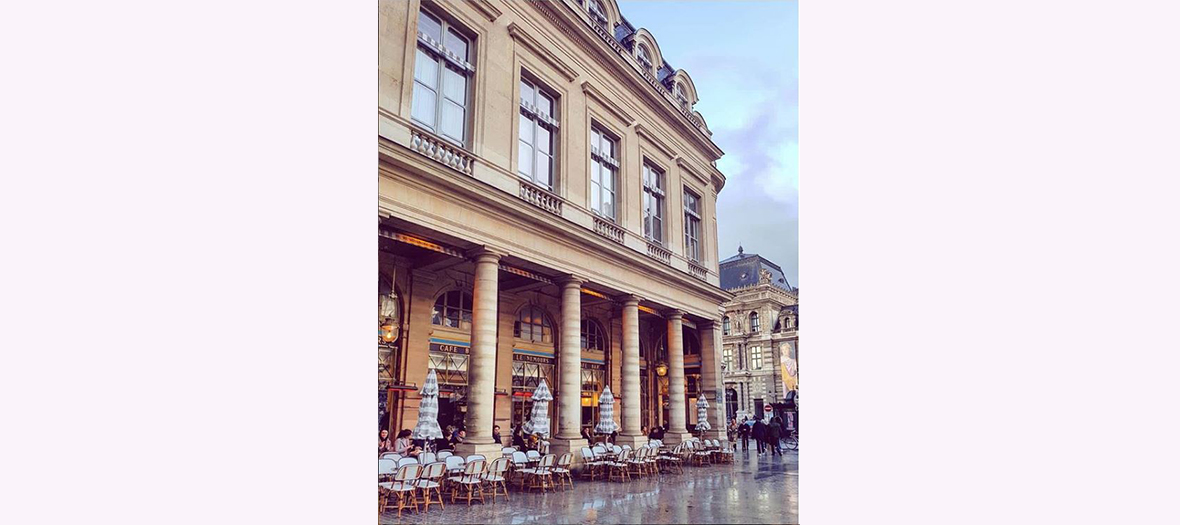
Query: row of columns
482,369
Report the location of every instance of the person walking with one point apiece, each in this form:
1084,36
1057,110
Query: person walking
759,432
744,432
774,432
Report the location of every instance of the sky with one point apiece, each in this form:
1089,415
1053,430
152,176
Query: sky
743,57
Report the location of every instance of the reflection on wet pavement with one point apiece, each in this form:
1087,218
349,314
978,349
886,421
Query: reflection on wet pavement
752,490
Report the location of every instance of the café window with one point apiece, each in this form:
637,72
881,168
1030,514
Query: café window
593,336
533,325
453,310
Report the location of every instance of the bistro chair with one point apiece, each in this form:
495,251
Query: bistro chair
430,482
454,467
700,456
474,457
471,481
635,463
533,456
507,451
590,464
385,469
391,455
519,462
618,468
407,461
542,474
443,455
402,487
497,476
672,460
562,470
649,460
427,458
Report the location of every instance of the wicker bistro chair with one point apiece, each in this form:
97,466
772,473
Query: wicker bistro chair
634,462
617,469
533,457
471,481
391,455
561,472
672,460
590,465
427,458
519,463
542,474
443,455
726,452
496,477
507,451
402,488
653,464
407,461
430,482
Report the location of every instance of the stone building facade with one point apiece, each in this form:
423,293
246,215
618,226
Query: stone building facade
546,210
760,337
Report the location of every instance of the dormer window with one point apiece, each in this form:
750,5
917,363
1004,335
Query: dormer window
679,93
644,57
597,13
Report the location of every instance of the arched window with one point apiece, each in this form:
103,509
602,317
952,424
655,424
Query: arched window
725,326
680,93
753,322
644,56
593,336
452,309
597,13
692,345
532,324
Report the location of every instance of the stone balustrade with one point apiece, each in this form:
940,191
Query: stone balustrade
441,151
540,198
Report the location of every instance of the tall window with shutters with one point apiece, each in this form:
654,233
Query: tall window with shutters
653,203
604,166
442,78
538,134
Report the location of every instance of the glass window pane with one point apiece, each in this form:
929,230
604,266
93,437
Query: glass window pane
451,123
526,91
594,138
467,301
545,104
608,147
608,179
429,26
608,204
526,129
424,105
456,44
544,170
544,140
596,197
526,159
455,86
426,69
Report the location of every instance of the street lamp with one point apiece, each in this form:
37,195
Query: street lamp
661,369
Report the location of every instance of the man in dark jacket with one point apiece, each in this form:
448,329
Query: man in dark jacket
759,432
744,432
774,431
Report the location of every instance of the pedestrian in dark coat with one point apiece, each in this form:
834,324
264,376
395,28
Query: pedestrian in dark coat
744,432
774,431
759,432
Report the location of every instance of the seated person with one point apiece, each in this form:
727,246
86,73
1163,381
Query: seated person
404,446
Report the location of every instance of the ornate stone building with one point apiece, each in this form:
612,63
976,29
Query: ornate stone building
547,210
760,337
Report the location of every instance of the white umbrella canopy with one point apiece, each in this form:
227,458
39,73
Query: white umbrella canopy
606,413
427,427
538,422
702,413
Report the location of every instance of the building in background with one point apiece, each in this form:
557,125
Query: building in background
760,338
546,210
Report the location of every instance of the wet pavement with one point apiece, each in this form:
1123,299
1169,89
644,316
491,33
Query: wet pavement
754,489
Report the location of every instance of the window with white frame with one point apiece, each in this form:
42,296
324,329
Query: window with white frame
452,309
653,203
753,322
442,78
538,134
756,357
725,326
604,166
679,92
692,226
644,56
597,13
727,357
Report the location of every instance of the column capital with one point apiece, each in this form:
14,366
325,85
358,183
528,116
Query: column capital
485,253
674,314
570,280
629,299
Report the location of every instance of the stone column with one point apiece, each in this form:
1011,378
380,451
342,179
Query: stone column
677,430
632,432
712,384
481,365
569,363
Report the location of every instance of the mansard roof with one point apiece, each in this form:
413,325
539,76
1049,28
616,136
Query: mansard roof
745,269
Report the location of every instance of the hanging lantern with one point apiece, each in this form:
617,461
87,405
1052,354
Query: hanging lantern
661,369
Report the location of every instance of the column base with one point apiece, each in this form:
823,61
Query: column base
635,441
672,437
559,446
489,450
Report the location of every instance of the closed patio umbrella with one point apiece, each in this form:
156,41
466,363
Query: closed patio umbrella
702,414
606,413
427,427
538,422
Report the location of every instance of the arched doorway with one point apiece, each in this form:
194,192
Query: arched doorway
389,348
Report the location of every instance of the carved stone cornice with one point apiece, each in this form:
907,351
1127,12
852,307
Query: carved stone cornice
486,8
651,137
523,38
597,95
